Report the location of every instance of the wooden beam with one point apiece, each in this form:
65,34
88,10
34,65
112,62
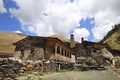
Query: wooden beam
55,50
60,52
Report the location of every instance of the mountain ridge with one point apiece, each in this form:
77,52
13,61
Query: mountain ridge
112,39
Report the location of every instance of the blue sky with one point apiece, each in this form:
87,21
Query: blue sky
87,23
8,23
47,17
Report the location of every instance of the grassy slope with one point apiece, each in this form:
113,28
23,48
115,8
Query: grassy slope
6,40
112,39
112,42
60,37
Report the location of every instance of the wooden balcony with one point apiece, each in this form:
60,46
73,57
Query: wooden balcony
62,58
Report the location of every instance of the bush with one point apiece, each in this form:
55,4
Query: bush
23,74
117,64
63,70
41,73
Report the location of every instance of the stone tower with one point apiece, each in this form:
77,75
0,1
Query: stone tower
72,42
82,40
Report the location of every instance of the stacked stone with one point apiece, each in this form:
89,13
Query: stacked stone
9,69
30,67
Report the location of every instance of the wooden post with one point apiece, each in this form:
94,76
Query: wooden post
59,67
60,52
64,55
55,56
55,51
63,52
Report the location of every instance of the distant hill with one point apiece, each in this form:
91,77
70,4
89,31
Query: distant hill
6,40
60,38
112,39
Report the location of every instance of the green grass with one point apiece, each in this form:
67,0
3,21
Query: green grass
78,75
41,73
24,74
86,75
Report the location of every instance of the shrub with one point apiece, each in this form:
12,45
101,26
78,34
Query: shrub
63,70
41,73
117,64
23,74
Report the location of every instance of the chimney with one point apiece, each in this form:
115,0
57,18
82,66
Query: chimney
82,40
72,43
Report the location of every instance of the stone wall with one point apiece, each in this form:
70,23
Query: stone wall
101,56
9,69
37,54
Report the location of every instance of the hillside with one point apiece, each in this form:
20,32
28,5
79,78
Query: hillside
6,40
112,39
60,37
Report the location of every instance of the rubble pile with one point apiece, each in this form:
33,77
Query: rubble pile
96,59
9,69
31,66
103,56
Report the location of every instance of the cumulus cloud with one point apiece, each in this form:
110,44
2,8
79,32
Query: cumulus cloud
51,17
46,17
81,33
2,9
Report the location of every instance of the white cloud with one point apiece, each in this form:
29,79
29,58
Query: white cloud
41,29
46,17
60,18
81,33
17,31
2,9
29,11
106,13
104,22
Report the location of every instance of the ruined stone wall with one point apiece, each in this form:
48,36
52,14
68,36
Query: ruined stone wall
98,56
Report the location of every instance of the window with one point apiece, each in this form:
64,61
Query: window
32,51
22,52
70,55
62,52
65,53
58,50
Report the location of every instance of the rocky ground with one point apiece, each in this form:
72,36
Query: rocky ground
74,75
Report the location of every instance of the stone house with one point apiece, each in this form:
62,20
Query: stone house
93,53
86,50
87,47
43,48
